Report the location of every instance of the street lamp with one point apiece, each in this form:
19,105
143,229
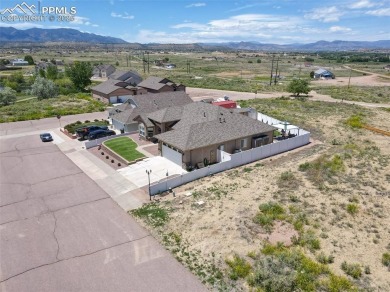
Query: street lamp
149,172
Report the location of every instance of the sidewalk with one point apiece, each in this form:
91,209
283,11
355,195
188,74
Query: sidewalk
126,194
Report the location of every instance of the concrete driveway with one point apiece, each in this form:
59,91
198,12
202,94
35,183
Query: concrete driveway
59,231
160,167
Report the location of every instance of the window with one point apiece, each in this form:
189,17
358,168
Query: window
243,143
142,130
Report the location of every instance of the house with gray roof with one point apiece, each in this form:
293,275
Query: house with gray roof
103,71
193,133
323,73
118,88
131,116
130,77
158,84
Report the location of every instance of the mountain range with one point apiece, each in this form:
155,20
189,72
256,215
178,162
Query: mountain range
38,35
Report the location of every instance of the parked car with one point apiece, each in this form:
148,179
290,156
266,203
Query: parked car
84,132
46,137
100,134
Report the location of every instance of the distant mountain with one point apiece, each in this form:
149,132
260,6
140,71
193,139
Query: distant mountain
39,35
317,46
11,35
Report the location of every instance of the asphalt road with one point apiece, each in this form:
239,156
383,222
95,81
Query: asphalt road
60,232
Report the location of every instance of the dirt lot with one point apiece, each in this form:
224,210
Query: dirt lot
334,196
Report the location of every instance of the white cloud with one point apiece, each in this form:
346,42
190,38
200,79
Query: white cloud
361,4
379,12
243,7
325,14
123,16
339,29
196,5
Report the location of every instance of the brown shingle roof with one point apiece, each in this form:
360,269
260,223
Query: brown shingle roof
204,124
152,102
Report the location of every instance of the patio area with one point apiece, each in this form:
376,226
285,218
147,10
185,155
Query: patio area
162,169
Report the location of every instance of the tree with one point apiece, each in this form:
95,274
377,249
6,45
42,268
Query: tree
42,73
29,59
258,61
15,81
117,63
298,86
52,72
44,88
80,73
312,74
7,96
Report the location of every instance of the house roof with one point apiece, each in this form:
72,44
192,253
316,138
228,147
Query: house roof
203,124
148,103
322,71
130,77
104,67
155,83
109,86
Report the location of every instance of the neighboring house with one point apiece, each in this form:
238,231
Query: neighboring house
131,115
192,134
19,62
115,91
103,71
170,66
322,73
119,87
130,77
158,84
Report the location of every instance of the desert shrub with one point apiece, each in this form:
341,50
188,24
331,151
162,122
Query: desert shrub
308,239
269,212
324,259
386,259
288,180
283,269
323,168
352,208
239,267
353,270
355,121
153,214
337,284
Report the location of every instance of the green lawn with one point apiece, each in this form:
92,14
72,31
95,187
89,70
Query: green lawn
125,147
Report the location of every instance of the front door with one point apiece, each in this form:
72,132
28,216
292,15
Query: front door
212,156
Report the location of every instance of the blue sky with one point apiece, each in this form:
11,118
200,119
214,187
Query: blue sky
281,22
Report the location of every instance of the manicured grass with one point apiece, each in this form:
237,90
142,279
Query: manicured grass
125,147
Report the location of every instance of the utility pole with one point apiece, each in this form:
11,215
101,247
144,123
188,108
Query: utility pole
143,60
148,61
276,71
350,73
272,69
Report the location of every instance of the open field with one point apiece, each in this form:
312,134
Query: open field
327,201
37,109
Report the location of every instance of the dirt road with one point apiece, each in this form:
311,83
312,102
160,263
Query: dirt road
198,94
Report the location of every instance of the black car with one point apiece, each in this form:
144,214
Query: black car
100,134
46,137
84,132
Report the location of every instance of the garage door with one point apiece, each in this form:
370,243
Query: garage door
172,155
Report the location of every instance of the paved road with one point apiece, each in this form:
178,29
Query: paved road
59,231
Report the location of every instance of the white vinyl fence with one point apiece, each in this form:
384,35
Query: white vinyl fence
237,159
